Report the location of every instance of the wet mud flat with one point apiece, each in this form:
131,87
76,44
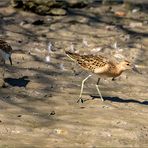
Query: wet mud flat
38,105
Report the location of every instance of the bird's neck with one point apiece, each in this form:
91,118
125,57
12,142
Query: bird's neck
115,70
119,69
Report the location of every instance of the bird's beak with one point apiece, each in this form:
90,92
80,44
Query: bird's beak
10,60
136,70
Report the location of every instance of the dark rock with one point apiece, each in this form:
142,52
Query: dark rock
19,116
17,3
42,7
57,11
38,22
52,113
49,7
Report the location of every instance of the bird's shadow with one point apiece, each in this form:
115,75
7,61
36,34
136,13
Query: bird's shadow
20,82
120,100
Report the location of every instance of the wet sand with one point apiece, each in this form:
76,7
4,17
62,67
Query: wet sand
38,107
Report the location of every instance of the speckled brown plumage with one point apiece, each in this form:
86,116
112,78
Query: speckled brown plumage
102,66
96,64
88,61
5,46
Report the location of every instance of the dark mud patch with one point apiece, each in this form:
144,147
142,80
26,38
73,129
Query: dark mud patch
17,82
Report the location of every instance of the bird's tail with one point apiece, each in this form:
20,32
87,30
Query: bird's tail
71,55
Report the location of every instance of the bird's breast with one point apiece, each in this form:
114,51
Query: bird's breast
4,54
107,71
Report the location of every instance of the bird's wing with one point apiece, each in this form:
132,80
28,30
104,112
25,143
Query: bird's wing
89,62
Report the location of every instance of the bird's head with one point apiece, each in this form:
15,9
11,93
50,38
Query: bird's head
127,65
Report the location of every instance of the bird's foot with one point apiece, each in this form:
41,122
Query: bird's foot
113,79
102,99
80,100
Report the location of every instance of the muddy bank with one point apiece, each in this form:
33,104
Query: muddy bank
38,107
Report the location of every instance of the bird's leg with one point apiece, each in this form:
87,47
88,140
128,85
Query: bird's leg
10,60
82,85
97,87
113,79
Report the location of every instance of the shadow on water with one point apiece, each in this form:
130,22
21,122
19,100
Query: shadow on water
120,100
20,82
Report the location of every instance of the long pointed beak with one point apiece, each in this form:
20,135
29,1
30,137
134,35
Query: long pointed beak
10,60
136,70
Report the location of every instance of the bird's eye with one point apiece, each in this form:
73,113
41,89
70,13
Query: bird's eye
127,64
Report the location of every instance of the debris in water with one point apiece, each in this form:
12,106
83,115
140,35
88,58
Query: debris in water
97,49
60,131
115,45
85,43
119,56
135,24
120,13
49,47
52,113
47,59
72,47
135,10
110,27
62,66
37,49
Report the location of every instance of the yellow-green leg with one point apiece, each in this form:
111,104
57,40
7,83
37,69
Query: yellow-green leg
82,85
97,87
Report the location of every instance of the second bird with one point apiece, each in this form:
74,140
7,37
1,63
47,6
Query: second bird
5,50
